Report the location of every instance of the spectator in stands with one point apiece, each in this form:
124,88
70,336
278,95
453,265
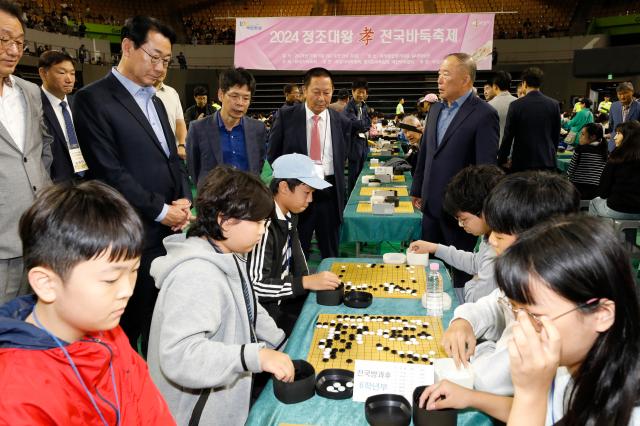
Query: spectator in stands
201,109
400,107
575,125
291,94
624,109
128,144
500,83
605,106
228,136
619,191
323,134
171,101
82,30
488,91
58,75
460,131
356,111
342,98
532,128
182,60
588,161
25,150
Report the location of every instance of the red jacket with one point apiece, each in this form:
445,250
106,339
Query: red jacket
38,385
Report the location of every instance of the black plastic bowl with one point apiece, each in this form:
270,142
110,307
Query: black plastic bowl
330,297
387,410
422,417
358,299
302,387
330,376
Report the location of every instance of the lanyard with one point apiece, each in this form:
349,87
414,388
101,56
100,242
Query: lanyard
77,373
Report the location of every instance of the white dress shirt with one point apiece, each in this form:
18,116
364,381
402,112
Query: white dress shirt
13,112
324,125
171,101
57,109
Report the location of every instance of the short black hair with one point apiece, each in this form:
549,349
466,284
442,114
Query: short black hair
317,72
587,102
360,83
200,91
522,200
288,88
468,189
230,194
137,30
236,77
291,183
533,77
13,9
502,79
53,57
70,224
342,94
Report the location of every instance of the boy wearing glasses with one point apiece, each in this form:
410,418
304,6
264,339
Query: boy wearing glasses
463,200
517,203
228,136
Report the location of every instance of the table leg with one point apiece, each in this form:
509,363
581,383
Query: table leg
357,248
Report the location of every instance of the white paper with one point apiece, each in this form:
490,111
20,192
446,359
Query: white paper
376,377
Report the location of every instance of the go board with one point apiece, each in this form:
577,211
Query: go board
403,207
396,178
382,280
339,340
367,191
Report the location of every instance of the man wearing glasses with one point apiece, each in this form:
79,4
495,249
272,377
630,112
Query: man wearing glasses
25,150
128,143
228,136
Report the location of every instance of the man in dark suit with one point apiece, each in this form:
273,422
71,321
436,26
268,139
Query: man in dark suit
310,128
623,110
128,143
461,131
228,136
58,76
532,128
356,112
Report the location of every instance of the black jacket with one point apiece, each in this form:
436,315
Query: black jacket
620,185
61,167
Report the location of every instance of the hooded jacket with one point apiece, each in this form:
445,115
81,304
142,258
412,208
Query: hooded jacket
201,351
39,386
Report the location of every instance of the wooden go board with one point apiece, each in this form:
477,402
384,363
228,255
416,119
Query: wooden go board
367,191
404,207
382,280
339,340
396,178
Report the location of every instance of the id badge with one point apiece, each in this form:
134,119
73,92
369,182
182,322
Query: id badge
318,170
79,165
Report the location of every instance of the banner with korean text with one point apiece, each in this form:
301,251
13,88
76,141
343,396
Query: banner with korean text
362,43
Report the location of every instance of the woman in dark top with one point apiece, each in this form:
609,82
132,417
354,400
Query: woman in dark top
619,190
588,161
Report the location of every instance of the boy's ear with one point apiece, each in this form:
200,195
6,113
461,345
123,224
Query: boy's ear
605,315
283,187
44,283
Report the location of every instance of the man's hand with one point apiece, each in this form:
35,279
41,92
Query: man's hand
459,342
182,152
321,281
200,116
417,202
179,215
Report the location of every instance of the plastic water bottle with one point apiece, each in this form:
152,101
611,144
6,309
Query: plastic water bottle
434,291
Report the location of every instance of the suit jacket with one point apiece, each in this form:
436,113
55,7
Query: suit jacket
204,151
122,150
358,144
615,115
471,138
22,174
289,135
533,128
61,168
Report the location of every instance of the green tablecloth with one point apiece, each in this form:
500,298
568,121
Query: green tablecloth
396,144
563,164
367,227
320,411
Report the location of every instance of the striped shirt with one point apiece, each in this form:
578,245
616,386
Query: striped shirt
587,164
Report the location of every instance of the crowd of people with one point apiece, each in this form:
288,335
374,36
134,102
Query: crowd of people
103,259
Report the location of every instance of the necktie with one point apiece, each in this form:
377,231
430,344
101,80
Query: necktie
71,131
316,150
359,112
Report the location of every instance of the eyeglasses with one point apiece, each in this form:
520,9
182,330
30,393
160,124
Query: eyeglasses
535,319
6,43
157,59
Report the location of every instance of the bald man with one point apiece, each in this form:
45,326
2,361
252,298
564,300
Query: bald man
462,130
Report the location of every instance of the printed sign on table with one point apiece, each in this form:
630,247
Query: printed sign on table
362,43
376,377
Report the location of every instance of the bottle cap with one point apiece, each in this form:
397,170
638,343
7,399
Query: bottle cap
434,266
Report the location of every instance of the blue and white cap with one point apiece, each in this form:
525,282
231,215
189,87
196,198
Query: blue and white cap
298,166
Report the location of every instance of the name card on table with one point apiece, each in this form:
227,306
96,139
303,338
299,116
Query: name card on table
376,377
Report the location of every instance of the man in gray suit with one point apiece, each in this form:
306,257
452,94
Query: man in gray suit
25,150
228,136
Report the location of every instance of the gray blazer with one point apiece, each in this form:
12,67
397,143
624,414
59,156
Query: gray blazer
22,174
204,151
